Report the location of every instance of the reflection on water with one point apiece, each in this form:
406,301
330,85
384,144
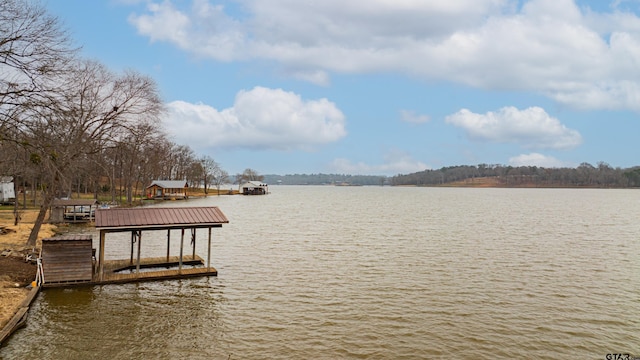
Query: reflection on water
372,272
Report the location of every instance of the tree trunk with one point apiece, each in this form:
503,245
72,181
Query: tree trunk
135,189
24,194
129,187
16,214
33,236
96,189
33,191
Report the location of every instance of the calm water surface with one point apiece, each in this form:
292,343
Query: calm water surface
373,273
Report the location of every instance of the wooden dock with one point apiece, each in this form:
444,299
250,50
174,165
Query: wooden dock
119,271
157,268
71,260
20,317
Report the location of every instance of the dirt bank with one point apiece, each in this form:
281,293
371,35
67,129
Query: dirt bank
15,272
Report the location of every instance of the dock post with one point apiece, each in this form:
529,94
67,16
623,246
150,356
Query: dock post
193,243
209,252
168,243
139,245
101,265
132,241
181,246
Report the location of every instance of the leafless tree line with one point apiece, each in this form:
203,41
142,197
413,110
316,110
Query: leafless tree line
585,175
69,124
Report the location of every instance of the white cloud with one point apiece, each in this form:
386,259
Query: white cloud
529,128
536,159
260,118
205,30
395,162
574,55
411,117
315,77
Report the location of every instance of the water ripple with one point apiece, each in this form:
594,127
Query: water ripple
376,273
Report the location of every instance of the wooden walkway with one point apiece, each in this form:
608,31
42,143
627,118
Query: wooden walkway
20,317
158,268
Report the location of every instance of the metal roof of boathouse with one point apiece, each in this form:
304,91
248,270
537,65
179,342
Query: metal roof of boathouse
159,217
170,184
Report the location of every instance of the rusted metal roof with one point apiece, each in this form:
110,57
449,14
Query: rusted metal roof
68,238
160,217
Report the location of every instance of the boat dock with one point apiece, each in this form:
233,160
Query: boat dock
121,271
71,261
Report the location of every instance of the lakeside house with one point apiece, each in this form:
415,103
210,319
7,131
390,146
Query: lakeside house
167,189
254,188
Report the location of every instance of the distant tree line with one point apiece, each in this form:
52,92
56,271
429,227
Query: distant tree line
585,175
325,179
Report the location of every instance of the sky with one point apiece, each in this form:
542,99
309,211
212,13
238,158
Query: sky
380,87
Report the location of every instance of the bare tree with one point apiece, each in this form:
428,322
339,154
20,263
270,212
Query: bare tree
133,158
249,175
34,52
156,151
151,155
219,177
180,158
95,111
12,162
209,166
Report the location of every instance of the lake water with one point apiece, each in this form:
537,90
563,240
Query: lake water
373,273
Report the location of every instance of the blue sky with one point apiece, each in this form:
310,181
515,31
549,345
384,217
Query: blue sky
380,87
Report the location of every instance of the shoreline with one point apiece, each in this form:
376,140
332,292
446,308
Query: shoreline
16,292
19,318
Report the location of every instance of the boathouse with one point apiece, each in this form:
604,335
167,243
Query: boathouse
67,259
254,188
167,189
71,260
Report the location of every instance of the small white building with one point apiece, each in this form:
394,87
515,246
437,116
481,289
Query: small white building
7,192
254,188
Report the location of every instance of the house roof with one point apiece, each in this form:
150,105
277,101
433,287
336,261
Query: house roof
254,184
68,238
159,218
170,184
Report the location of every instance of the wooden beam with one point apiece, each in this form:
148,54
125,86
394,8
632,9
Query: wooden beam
193,241
16,322
168,242
209,252
181,246
132,241
139,245
101,264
